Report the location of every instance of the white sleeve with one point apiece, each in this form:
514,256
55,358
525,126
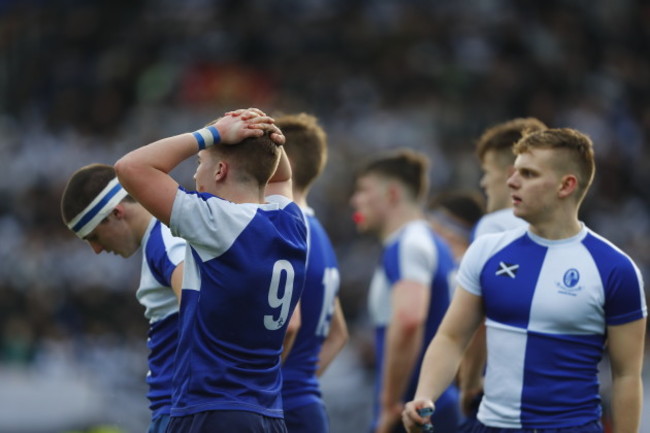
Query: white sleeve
418,257
208,223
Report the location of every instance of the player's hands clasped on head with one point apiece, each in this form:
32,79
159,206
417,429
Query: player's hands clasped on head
257,121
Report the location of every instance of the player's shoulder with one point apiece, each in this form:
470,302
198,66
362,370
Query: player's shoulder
605,251
498,221
489,243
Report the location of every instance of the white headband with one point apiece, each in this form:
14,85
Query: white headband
98,209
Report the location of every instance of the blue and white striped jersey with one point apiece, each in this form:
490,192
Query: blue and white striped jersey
301,386
243,275
413,253
548,304
161,254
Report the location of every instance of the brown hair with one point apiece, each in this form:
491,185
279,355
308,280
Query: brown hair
405,166
83,187
256,158
501,137
306,147
577,146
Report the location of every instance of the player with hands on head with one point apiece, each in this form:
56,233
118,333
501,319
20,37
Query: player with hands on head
244,267
99,211
554,296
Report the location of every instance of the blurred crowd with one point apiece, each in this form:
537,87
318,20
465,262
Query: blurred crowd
86,81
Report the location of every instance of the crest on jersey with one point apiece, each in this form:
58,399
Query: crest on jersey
569,284
571,278
507,269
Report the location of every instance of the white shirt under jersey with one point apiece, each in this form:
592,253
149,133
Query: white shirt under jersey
497,222
548,304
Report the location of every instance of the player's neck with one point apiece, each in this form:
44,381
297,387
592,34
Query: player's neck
399,217
241,193
300,198
562,225
140,220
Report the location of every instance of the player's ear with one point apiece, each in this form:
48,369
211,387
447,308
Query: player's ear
221,171
568,185
393,192
120,211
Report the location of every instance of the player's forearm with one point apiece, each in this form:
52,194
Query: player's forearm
336,339
470,373
402,349
162,155
283,172
627,396
439,367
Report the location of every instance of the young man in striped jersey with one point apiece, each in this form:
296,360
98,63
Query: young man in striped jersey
409,292
323,330
98,210
554,297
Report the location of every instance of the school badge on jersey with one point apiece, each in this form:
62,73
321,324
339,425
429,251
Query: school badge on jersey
569,284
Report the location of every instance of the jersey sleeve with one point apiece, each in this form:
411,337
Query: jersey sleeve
624,295
208,223
413,258
469,270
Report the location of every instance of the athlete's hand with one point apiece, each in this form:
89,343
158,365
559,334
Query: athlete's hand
258,120
413,422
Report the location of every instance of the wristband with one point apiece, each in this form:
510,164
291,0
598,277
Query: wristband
207,136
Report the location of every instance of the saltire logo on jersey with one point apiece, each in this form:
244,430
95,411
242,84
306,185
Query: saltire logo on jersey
507,269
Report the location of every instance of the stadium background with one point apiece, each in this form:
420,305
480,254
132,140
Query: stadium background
85,81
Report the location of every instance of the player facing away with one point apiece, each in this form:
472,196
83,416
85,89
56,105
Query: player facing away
409,291
323,330
494,151
554,297
98,210
244,267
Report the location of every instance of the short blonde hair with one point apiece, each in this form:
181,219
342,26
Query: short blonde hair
576,145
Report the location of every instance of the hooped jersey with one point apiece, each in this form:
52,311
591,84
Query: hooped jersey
161,254
243,275
548,304
414,253
301,386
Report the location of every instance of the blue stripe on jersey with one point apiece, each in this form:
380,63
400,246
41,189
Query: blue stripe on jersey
572,361
300,384
163,336
618,272
157,259
508,300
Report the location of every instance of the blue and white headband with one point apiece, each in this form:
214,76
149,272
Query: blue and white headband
98,209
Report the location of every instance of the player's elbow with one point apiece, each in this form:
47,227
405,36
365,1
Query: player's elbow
123,167
127,169
409,322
